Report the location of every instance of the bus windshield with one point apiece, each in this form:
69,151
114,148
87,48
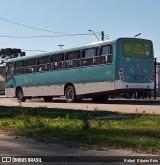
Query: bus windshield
137,49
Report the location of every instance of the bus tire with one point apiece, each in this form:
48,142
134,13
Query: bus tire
47,98
70,94
20,95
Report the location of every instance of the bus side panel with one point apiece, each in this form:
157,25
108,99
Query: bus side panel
10,92
104,78
99,87
49,90
86,80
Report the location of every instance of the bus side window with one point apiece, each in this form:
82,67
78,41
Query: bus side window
19,67
31,65
43,64
72,59
57,61
106,54
9,71
90,57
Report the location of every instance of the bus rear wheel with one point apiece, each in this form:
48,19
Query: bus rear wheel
48,98
20,95
70,94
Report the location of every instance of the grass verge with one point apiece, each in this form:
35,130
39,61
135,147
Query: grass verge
78,128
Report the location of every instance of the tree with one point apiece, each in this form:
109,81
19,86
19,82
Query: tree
11,53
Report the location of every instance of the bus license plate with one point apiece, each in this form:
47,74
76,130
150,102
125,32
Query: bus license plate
138,77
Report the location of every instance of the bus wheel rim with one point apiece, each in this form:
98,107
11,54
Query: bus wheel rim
70,94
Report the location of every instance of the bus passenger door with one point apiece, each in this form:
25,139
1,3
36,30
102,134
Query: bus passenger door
10,83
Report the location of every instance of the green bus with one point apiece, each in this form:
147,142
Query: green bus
97,70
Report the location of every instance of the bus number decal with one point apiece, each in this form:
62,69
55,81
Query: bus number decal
107,72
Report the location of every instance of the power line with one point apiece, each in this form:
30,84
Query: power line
28,50
39,29
66,35
34,50
31,27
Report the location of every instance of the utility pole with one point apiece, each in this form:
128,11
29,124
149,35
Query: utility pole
60,46
102,35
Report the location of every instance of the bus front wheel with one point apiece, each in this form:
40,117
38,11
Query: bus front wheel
20,95
70,94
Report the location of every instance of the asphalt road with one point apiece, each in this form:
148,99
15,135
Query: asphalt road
11,146
121,105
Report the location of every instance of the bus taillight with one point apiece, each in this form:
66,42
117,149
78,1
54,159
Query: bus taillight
152,76
121,75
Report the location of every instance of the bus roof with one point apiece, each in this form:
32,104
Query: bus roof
61,51
98,43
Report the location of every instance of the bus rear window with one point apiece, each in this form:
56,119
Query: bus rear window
137,49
